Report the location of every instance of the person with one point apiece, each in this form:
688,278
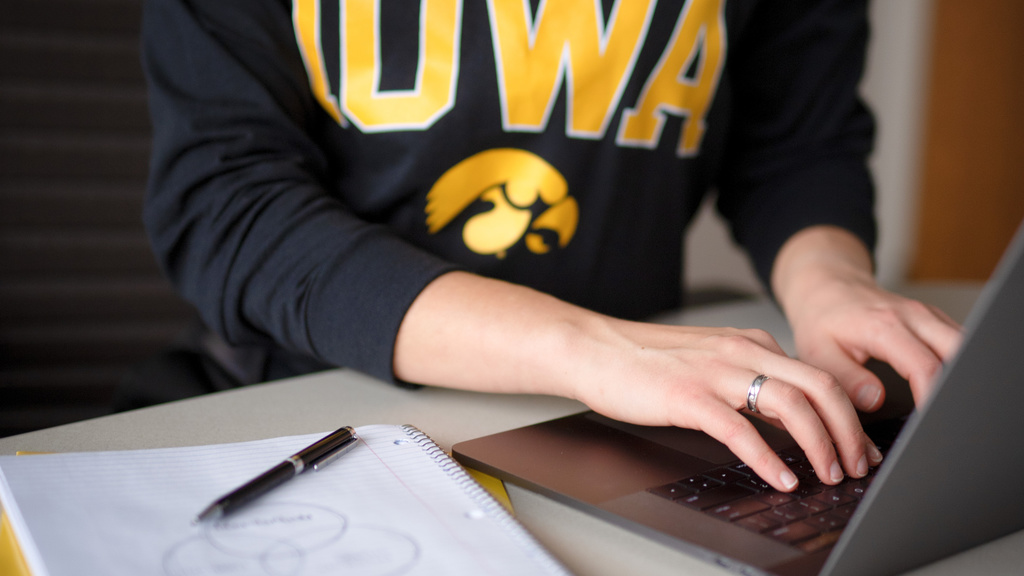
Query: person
492,196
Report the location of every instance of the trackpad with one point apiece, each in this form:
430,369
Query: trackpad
693,442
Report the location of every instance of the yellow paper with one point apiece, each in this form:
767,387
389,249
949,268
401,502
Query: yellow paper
11,560
494,486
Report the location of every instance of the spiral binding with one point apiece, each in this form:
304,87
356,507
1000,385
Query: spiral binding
484,500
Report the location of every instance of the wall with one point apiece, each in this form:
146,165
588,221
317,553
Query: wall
971,201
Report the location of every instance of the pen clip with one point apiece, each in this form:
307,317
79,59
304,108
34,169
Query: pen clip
334,454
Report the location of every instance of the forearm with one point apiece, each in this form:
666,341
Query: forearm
470,332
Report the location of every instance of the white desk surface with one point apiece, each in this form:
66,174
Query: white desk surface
325,401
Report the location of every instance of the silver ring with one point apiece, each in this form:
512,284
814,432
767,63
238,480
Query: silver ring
754,390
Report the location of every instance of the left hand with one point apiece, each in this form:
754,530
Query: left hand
840,317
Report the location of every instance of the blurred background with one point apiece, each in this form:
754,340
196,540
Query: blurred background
81,298
945,79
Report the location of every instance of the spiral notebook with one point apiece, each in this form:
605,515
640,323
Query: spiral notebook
396,504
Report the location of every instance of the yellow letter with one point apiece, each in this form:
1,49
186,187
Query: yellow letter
436,76
568,39
698,41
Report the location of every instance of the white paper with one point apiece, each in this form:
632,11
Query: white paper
385,507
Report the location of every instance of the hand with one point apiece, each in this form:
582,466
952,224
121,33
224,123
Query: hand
469,332
699,377
841,318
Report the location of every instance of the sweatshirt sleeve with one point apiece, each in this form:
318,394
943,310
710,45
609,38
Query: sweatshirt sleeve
237,209
799,135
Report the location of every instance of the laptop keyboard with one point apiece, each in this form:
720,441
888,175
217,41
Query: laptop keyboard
810,518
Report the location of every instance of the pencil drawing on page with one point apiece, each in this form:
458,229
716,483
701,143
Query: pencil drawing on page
291,539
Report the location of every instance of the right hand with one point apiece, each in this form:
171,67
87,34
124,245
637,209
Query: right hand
699,377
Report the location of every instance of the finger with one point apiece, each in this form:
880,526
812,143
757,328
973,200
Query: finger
873,454
945,318
915,339
911,358
817,412
765,340
790,405
863,387
739,435
938,331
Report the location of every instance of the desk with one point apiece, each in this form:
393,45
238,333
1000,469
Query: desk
324,401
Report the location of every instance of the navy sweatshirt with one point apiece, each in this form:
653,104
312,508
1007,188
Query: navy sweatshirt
316,164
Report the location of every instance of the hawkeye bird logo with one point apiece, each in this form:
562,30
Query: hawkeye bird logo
518,184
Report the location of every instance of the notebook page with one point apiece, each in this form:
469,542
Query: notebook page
386,507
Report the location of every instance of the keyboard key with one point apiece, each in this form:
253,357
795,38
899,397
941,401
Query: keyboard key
737,509
755,483
790,512
813,506
855,488
808,487
827,522
672,491
803,470
700,483
834,497
725,475
791,457
846,511
760,522
742,468
793,533
775,498
714,497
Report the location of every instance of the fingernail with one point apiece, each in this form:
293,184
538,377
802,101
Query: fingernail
836,472
875,454
867,397
862,466
788,479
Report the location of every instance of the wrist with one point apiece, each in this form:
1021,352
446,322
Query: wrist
578,347
815,259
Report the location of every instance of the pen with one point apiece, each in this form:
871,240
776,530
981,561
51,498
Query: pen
317,455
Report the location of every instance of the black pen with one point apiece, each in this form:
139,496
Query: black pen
319,454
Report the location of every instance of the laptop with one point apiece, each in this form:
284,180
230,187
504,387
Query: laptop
951,479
